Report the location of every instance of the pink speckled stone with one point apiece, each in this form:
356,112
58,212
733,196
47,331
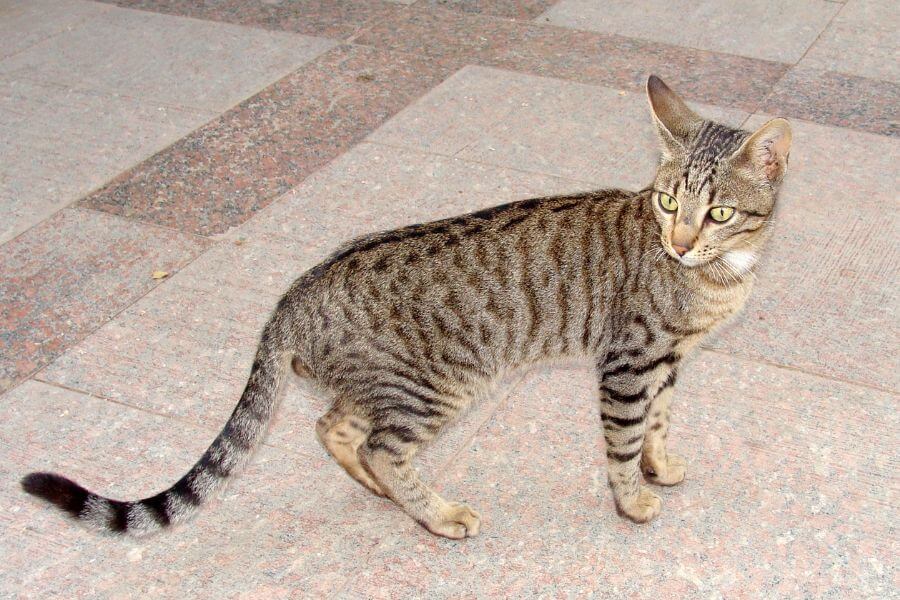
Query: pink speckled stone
788,494
826,300
64,278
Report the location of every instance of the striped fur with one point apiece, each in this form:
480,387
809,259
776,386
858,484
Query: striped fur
406,327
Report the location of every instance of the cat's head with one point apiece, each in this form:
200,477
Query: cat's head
715,188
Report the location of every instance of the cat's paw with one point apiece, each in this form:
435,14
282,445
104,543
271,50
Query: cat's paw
642,508
670,472
456,522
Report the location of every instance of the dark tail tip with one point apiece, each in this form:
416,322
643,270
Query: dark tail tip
64,493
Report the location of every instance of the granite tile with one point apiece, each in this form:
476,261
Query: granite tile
787,495
512,9
583,56
827,296
67,276
222,173
146,56
306,527
539,124
24,23
837,99
60,143
338,19
764,29
861,40
186,348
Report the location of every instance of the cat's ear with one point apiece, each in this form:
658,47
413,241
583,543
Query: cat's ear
674,120
765,153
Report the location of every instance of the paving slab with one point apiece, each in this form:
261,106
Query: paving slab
580,132
511,9
337,19
765,29
861,40
291,525
147,55
68,275
583,56
827,296
221,174
787,495
24,23
837,99
59,143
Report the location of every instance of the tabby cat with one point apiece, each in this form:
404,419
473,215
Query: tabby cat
406,326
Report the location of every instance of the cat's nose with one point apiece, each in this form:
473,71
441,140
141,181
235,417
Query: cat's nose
681,250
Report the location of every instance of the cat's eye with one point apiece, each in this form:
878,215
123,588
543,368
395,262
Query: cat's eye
720,214
667,202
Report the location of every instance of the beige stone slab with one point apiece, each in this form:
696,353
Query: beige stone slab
789,493
581,132
827,293
290,521
59,143
765,29
862,40
24,23
162,58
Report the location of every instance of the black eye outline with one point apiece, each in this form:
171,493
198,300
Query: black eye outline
723,221
659,201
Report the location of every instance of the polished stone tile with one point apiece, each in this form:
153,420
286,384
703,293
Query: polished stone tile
338,19
307,525
862,40
584,56
222,173
538,124
787,495
837,99
826,300
60,143
64,278
24,23
764,29
164,59
512,9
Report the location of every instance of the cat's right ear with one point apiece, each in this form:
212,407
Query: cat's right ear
674,120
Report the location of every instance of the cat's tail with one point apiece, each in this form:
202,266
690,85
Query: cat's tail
232,448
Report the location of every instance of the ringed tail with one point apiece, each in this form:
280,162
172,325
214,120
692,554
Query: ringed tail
231,449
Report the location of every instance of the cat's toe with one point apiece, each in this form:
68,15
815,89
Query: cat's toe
643,507
670,473
457,521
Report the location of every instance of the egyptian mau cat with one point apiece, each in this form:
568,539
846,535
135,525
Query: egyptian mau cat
406,326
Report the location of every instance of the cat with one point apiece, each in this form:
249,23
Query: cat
405,327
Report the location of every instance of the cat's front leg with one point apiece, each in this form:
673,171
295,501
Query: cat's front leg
657,464
624,406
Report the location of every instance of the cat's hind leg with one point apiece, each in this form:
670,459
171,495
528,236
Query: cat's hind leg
342,435
404,421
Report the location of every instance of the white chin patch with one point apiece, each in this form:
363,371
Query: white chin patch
740,260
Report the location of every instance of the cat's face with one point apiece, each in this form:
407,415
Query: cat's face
715,188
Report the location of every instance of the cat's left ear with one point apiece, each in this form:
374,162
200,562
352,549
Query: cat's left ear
765,153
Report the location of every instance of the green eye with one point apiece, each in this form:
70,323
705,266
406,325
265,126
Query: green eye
720,214
667,202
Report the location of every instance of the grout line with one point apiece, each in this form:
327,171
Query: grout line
765,99
769,363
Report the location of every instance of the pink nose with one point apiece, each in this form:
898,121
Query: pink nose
681,250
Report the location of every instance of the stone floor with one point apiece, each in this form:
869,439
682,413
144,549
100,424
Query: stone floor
233,144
